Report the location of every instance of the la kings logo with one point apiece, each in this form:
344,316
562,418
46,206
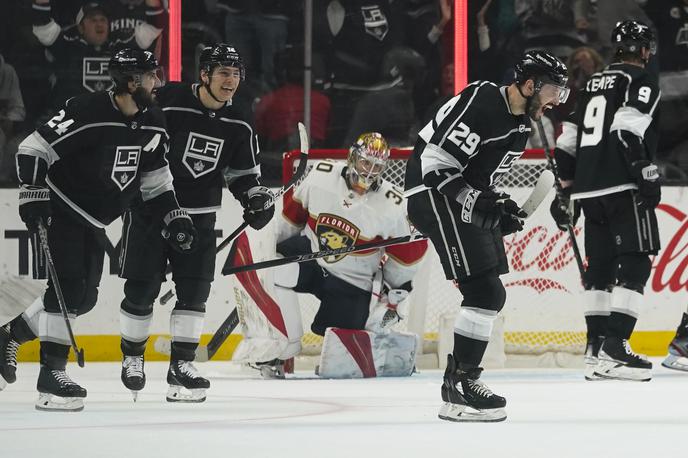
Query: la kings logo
335,232
201,153
374,21
126,165
95,76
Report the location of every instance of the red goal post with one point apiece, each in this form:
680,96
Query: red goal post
542,315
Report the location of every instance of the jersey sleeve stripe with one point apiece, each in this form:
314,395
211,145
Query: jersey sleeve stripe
233,174
74,206
632,120
156,182
494,139
190,110
567,140
448,180
250,133
435,158
157,129
35,145
88,126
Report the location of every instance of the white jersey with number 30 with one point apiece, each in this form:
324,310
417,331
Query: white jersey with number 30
332,216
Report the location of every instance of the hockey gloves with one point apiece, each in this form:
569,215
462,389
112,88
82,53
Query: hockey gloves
646,175
258,203
563,210
34,206
512,218
180,232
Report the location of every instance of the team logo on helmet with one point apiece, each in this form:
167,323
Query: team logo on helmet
375,21
95,75
126,165
201,153
335,232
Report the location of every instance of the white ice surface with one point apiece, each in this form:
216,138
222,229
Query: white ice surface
551,413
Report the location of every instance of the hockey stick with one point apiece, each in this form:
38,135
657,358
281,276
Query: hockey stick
43,234
299,174
323,254
557,186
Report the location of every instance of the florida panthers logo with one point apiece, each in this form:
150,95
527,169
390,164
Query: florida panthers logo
125,166
95,76
334,232
201,153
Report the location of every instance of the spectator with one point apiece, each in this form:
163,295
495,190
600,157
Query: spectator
144,18
582,63
11,111
550,25
278,112
80,61
258,29
671,21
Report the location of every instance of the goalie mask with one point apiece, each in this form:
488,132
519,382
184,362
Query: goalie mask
366,162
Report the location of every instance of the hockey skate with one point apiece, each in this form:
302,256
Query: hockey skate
133,376
273,369
677,358
467,399
57,392
590,359
186,384
617,360
8,357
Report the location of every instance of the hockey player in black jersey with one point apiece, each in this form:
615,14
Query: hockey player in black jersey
458,160
79,172
210,144
605,158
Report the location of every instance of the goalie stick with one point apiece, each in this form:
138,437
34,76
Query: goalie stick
205,353
43,234
557,186
299,174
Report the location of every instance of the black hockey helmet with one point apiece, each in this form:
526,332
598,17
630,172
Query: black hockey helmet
543,68
628,37
221,54
129,64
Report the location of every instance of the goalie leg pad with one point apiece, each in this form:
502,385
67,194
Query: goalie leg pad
349,353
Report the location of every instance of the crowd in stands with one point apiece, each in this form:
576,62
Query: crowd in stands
376,64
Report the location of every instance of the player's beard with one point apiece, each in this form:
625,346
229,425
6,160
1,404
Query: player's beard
143,98
534,108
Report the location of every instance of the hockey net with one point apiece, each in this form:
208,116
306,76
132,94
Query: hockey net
542,314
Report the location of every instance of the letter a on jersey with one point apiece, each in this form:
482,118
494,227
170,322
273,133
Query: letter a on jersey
126,165
201,153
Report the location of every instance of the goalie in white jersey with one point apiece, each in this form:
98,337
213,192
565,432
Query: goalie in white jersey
341,205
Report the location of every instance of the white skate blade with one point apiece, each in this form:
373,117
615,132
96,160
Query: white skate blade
50,403
615,370
177,393
589,373
135,395
675,362
3,383
463,413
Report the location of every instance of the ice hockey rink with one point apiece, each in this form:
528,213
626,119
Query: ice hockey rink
552,413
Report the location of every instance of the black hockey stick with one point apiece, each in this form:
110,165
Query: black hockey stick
549,154
43,234
323,254
299,174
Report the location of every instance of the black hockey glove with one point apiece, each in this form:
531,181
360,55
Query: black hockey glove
563,211
180,232
649,190
512,218
34,205
482,208
255,202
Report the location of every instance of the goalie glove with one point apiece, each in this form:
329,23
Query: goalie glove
387,312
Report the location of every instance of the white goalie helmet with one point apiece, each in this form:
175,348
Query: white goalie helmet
367,161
